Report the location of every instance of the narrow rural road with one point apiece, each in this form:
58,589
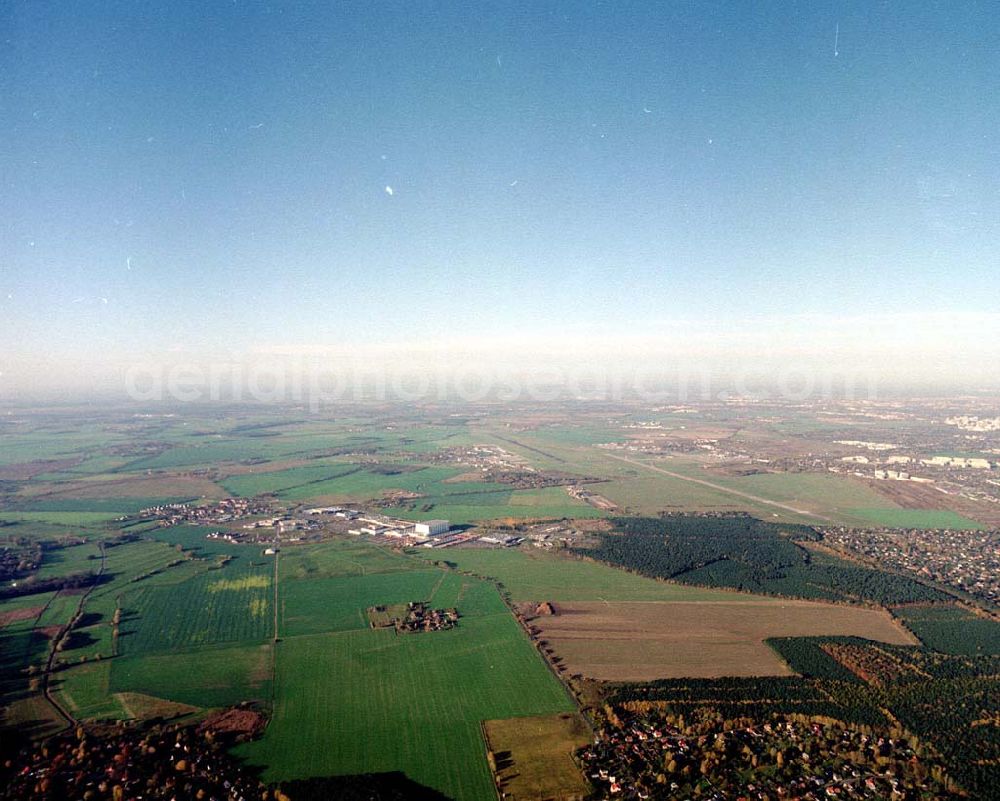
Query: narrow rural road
277,555
64,632
720,488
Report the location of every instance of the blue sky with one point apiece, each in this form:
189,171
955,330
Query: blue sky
212,175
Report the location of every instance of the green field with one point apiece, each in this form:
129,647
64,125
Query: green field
820,496
916,518
77,518
534,575
66,561
411,702
225,675
340,558
109,506
312,606
165,603
364,484
233,604
280,481
86,689
53,442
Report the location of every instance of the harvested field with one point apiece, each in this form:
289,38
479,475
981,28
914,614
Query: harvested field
234,721
24,613
23,471
165,486
911,495
533,757
141,706
640,641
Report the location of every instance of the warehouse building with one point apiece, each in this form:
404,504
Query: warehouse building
432,528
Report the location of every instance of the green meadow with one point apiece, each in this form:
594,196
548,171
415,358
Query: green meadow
536,575
402,702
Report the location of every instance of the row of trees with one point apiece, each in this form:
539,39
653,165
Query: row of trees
32,586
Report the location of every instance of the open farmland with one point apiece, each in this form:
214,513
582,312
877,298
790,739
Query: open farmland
341,558
533,757
60,518
916,518
116,487
411,703
226,674
65,561
233,604
535,575
283,481
86,690
312,606
681,483
655,640
129,568
182,624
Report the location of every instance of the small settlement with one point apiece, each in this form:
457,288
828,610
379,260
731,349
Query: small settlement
416,616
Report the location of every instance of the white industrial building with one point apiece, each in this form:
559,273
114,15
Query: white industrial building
432,528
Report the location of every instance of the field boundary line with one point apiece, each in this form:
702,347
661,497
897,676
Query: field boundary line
490,763
720,488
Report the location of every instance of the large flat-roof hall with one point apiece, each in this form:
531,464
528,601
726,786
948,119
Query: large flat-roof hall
431,528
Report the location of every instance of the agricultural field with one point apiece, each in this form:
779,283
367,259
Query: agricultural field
916,518
74,519
313,606
179,624
284,481
412,703
533,757
86,690
113,487
341,558
65,561
628,641
226,674
536,575
231,604
128,568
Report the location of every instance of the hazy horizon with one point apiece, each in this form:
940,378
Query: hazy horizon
520,187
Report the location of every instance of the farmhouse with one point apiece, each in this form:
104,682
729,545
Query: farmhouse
412,617
374,529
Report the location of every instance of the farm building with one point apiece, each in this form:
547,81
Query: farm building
432,528
374,529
